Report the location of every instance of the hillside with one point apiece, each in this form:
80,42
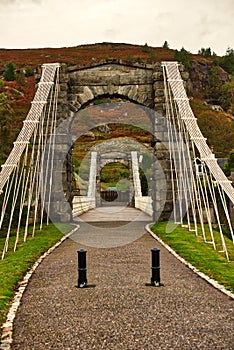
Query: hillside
31,58
217,126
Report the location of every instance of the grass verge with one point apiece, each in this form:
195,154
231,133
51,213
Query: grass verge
200,254
15,264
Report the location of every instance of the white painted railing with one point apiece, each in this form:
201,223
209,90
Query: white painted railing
136,175
82,204
92,175
144,204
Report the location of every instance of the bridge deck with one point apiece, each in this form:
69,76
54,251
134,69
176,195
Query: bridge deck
120,312
114,213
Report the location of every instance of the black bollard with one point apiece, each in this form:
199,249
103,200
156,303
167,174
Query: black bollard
82,279
155,279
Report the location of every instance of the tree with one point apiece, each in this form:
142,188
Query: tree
5,126
229,165
227,61
165,45
9,73
214,84
205,52
184,57
227,95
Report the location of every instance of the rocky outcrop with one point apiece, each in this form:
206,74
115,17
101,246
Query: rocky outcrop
199,76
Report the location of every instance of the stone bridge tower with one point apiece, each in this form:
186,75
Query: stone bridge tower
143,84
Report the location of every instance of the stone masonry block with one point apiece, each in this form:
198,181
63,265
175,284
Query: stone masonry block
159,92
158,85
158,75
132,92
159,99
97,90
88,93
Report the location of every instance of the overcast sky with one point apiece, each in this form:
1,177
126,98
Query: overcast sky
52,23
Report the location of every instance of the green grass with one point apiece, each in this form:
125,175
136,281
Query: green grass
200,254
15,264
121,186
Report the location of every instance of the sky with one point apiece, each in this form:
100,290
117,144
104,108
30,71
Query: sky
191,24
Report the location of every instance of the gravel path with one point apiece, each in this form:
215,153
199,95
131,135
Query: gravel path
121,312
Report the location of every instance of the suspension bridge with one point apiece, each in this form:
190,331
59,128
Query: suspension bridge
35,181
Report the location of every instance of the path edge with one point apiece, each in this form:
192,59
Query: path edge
211,281
7,327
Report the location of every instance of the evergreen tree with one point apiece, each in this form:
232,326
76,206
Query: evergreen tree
227,95
184,57
227,61
214,84
205,52
9,73
229,166
5,127
165,45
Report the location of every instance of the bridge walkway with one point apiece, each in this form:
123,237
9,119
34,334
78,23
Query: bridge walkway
121,312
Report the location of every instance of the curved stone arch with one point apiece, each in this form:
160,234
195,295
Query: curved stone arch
124,161
90,95
127,144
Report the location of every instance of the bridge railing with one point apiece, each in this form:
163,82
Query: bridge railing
144,203
82,204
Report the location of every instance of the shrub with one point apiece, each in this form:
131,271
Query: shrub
146,48
20,78
3,98
232,109
129,59
139,60
28,72
152,56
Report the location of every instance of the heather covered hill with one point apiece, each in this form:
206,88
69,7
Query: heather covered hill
83,54
209,83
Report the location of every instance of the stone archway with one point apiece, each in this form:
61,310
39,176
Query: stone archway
139,83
